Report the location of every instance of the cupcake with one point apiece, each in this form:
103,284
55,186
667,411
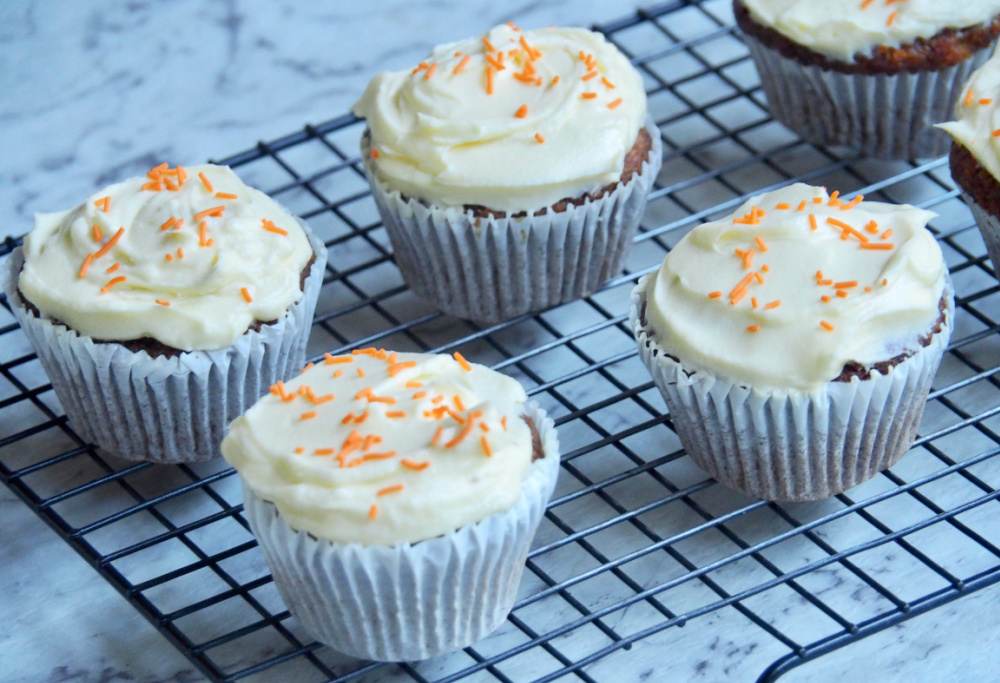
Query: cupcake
395,497
795,341
163,306
974,160
511,170
876,75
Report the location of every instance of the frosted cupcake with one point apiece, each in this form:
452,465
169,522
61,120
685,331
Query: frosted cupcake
511,170
975,153
163,306
872,74
795,341
395,497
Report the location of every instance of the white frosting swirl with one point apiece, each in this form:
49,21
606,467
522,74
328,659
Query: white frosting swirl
978,116
841,29
187,290
878,301
380,450
441,136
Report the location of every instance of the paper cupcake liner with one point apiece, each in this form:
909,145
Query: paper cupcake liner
793,445
886,116
989,227
494,269
409,601
165,410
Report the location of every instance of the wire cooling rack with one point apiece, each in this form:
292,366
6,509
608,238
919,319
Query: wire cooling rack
640,556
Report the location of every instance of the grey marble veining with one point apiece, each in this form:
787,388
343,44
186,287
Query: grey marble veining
93,93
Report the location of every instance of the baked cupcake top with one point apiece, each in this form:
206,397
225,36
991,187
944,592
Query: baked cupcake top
190,257
795,285
977,124
841,29
378,448
513,120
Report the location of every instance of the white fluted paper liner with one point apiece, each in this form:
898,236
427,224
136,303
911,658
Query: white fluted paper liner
409,601
165,410
493,269
989,227
886,116
794,445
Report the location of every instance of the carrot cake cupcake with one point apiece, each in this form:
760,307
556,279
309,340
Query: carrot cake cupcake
872,74
975,152
796,340
511,169
163,306
395,496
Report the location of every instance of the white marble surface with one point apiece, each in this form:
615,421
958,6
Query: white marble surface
97,92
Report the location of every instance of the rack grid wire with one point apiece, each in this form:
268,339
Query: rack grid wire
638,548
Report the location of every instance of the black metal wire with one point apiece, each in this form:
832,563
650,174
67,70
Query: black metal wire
628,496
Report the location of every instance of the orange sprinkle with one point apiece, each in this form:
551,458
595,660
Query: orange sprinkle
842,293
325,451
802,205
845,285
225,195
98,235
271,227
522,111
826,326
419,395
886,235
421,65
246,294
538,136
488,44
437,435
848,230
773,304
347,418
169,257
396,368
812,222
373,512
461,435
338,373
104,203
503,423
996,133
461,361
817,200
169,222
833,198
496,62
753,328
753,302
203,234
968,98
735,299
760,279
782,206
410,465
486,446
489,81
589,95
819,274
885,281
361,373
607,83
588,76
871,227
430,71
162,302
379,456
414,385
854,202
112,282
484,426
333,360
395,414
760,243
877,245
714,295
113,267
374,154
308,416
827,281
437,399
765,268
461,65
986,100
389,489
458,402
208,185
179,224
864,5
300,449
612,105
110,243
152,185
181,174
825,299
892,18
214,211
555,79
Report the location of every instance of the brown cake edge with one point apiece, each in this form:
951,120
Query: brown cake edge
944,49
974,178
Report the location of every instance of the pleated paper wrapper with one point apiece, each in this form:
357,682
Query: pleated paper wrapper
885,116
408,601
793,445
494,269
989,227
165,410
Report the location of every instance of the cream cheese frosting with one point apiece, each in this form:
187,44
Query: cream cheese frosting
842,29
978,116
513,120
796,284
379,448
190,257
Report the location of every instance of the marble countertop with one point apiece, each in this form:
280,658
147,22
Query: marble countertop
94,93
